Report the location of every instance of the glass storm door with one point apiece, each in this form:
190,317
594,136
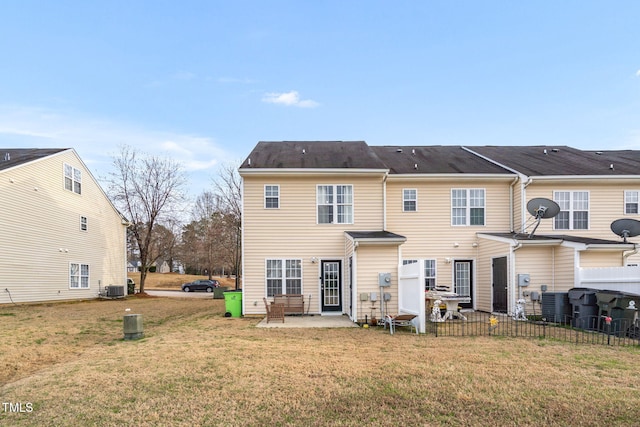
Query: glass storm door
331,286
463,281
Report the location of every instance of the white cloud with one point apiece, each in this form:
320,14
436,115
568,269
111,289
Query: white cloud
638,73
97,140
290,99
184,75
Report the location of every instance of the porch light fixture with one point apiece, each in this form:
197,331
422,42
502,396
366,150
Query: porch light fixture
474,244
314,260
456,244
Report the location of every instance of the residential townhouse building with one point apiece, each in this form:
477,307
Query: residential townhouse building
326,219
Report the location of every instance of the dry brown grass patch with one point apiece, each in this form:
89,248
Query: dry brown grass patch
196,367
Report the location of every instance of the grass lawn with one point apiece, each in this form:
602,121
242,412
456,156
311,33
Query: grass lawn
69,365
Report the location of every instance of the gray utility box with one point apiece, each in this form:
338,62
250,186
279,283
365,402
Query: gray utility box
556,307
584,308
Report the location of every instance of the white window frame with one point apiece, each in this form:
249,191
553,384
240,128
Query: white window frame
72,179
631,197
286,272
334,202
270,196
79,275
430,265
570,206
462,207
406,198
84,223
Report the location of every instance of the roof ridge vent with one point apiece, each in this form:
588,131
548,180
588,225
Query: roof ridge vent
398,150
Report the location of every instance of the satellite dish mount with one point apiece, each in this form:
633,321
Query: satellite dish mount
541,208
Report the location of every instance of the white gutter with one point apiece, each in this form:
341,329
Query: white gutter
309,171
449,176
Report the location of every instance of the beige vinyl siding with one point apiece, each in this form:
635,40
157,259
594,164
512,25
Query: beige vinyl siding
564,277
537,261
40,225
292,232
606,204
518,207
601,259
487,251
371,260
429,231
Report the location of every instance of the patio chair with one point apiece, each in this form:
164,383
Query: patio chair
274,311
401,320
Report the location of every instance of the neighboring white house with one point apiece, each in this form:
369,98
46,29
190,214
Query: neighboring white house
62,238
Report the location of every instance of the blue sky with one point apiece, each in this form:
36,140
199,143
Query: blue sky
204,81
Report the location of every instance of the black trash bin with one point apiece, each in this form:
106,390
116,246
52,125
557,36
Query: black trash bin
585,308
621,308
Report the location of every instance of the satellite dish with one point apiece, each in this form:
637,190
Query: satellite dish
541,208
626,227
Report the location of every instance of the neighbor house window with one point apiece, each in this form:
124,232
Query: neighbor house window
574,210
72,179
78,276
409,200
83,223
334,204
284,276
631,202
467,206
271,196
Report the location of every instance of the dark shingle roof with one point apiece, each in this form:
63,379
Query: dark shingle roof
313,155
563,160
376,235
564,237
10,157
434,159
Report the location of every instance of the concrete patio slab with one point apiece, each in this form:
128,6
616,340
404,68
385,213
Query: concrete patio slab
310,321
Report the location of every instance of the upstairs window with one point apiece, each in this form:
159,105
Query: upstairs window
631,202
83,223
272,196
467,206
574,210
409,200
72,179
334,204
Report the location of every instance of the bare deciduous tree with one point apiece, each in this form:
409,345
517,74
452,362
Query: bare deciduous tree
228,188
149,190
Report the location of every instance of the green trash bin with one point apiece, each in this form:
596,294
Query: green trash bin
233,303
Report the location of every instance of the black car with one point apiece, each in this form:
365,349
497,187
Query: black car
200,285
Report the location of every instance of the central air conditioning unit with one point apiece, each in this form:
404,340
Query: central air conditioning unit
556,307
115,291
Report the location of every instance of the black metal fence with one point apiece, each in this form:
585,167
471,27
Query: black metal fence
587,330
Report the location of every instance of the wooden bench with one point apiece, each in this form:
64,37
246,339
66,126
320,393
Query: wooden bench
293,303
